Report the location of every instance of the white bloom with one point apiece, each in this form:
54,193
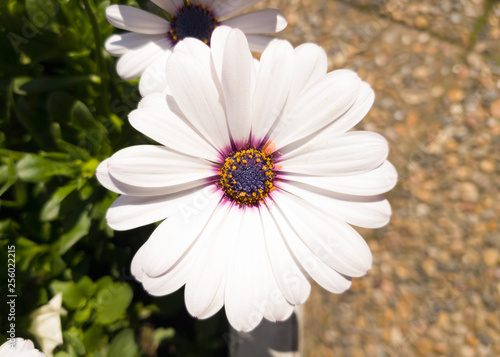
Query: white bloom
257,176
46,324
151,37
19,348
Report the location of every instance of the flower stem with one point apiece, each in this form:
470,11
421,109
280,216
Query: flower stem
103,74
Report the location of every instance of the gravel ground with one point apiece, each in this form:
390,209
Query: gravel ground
434,289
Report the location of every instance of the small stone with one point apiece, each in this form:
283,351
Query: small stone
411,119
443,320
429,266
424,346
441,348
437,91
470,193
456,94
495,109
467,351
421,21
421,72
487,166
490,257
471,339
452,161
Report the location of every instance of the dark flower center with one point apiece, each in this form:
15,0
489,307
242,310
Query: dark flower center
247,176
193,20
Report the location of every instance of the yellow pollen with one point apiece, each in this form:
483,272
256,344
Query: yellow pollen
247,176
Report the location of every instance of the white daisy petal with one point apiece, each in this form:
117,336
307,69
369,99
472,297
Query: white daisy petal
273,84
170,6
215,246
135,62
170,281
136,20
112,184
197,50
128,212
218,44
174,236
293,284
119,44
310,66
371,183
168,129
156,166
236,80
228,8
275,306
334,242
105,179
309,260
245,296
365,211
23,348
136,265
258,22
342,155
343,123
258,43
353,116
196,95
217,302
278,309
320,105
154,77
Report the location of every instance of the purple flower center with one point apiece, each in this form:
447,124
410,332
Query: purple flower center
193,20
247,176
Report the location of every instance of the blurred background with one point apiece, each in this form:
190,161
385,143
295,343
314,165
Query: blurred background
434,289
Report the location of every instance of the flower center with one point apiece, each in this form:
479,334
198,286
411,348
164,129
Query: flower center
193,20
247,176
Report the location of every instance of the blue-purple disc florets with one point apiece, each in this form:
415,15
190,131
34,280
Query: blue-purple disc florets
247,176
193,20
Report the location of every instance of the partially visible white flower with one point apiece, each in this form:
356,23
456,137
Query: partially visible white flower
19,347
151,37
258,176
46,324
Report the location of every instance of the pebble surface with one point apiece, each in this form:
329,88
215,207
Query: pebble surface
434,289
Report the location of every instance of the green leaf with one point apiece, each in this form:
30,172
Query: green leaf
93,131
113,299
75,151
83,315
62,354
74,295
34,168
79,230
27,251
161,334
123,345
50,210
42,14
8,176
93,338
71,337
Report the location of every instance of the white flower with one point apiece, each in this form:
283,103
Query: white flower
19,347
46,324
151,37
257,176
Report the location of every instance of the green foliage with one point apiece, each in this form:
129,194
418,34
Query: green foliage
63,110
